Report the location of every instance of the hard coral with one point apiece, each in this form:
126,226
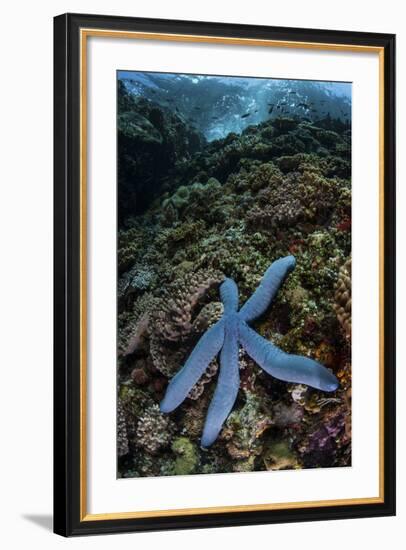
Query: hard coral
154,430
342,296
173,320
187,457
122,441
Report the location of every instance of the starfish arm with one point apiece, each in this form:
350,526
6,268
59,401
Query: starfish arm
205,350
261,299
226,391
229,296
281,365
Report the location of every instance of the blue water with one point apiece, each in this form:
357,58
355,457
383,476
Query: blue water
218,105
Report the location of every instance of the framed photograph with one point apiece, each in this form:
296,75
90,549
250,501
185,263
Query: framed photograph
224,274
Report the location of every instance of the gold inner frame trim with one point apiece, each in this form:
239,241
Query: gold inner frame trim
84,34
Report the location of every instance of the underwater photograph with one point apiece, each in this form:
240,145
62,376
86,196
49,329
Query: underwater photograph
233,274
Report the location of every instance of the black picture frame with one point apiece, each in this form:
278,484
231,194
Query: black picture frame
68,520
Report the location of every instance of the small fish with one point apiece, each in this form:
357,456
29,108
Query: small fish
293,93
245,115
270,110
198,109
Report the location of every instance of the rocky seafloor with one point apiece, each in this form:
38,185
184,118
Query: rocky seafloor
229,208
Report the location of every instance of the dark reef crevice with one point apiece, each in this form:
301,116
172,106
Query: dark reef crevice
151,141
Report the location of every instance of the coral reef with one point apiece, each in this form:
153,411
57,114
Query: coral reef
342,296
227,335
122,441
227,209
145,133
173,321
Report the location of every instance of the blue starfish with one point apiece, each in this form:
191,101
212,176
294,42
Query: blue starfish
226,335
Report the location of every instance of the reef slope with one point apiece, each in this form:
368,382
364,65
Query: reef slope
229,208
